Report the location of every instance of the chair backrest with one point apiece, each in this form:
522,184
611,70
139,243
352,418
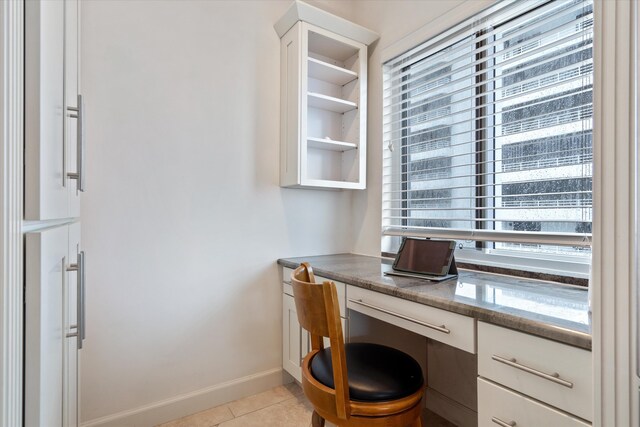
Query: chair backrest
319,313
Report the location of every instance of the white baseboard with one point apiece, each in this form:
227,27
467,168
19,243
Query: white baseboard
190,403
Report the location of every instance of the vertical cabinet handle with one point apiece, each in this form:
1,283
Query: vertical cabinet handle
81,288
79,268
78,114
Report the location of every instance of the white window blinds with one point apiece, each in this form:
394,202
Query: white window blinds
488,131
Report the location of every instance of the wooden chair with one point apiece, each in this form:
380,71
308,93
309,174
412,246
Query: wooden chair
354,384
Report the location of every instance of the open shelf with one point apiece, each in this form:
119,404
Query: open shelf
330,103
323,87
329,144
330,73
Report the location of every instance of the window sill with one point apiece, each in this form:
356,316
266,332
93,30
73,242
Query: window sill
515,272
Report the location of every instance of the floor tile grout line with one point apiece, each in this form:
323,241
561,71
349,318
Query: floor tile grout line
295,395
299,397
260,409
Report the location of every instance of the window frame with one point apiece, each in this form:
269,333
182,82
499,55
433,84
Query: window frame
484,113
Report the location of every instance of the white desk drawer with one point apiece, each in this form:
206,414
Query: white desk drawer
341,288
499,407
555,373
444,326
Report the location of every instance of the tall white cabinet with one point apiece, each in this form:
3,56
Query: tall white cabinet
54,179
54,144
54,325
323,99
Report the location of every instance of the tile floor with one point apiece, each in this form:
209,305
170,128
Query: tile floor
282,406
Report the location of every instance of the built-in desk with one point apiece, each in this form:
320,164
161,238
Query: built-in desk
530,339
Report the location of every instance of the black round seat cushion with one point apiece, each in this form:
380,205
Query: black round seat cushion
375,372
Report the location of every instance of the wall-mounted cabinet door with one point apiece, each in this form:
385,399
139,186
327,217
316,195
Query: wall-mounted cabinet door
53,118
52,326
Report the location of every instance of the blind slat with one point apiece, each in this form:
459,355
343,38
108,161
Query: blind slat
582,39
480,36
495,208
479,219
586,151
441,143
474,198
587,111
561,239
584,75
442,72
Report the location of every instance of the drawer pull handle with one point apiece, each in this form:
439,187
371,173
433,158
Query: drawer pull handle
401,316
501,423
555,377
79,114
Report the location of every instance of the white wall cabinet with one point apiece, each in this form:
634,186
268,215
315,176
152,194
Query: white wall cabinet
53,180
323,108
53,111
54,325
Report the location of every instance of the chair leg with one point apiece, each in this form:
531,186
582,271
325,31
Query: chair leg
317,420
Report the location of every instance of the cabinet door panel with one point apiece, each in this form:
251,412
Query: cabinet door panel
46,256
51,89
71,407
46,192
290,80
291,338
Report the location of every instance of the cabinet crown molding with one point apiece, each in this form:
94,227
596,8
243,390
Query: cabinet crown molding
300,11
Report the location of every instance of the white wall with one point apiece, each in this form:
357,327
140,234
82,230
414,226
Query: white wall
183,217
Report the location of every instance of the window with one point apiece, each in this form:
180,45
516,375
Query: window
488,136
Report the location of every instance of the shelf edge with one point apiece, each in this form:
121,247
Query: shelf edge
337,145
338,101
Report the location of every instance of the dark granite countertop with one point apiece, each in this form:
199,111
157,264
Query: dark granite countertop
546,309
